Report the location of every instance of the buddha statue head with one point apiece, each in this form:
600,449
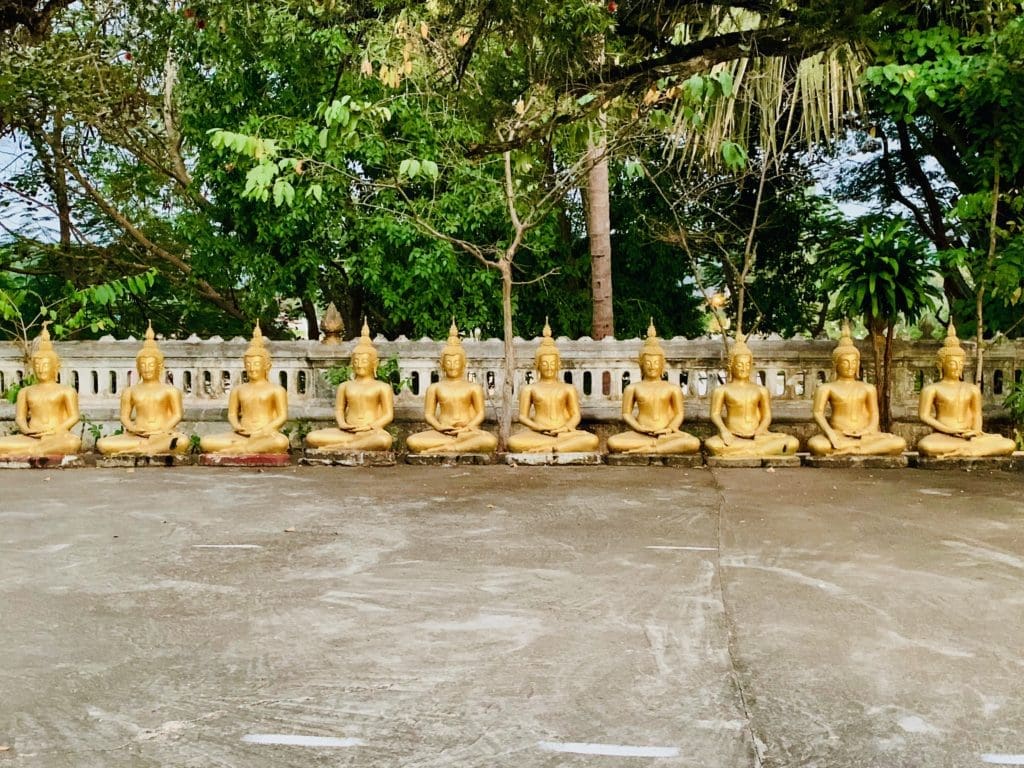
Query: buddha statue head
846,356
453,356
257,356
547,359
652,356
364,354
741,359
951,355
150,360
45,362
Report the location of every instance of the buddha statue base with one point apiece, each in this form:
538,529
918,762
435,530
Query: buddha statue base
326,457
1012,463
857,462
682,461
450,459
136,461
46,461
754,462
245,460
539,459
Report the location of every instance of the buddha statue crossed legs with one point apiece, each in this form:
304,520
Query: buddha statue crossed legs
743,432
150,410
550,410
659,409
44,412
952,408
257,409
454,407
363,407
852,429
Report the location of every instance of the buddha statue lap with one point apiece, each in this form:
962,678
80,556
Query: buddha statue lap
454,408
952,407
363,407
257,409
150,410
44,412
743,432
659,409
550,410
852,429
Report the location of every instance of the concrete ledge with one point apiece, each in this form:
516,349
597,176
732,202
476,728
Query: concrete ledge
1009,463
682,460
857,462
316,457
151,460
551,459
51,461
752,462
245,460
450,459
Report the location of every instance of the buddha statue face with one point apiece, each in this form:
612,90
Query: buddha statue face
45,366
256,367
847,365
652,365
547,365
453,364
740,366
364,364
952,366
149,367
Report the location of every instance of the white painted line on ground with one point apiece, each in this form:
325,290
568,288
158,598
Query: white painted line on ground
226,546
612,750
292,740
1003,759
692,549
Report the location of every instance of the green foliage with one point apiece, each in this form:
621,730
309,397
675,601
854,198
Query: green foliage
1013,402
11,393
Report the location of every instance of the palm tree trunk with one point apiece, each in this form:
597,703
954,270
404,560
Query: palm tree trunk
885,396
599,229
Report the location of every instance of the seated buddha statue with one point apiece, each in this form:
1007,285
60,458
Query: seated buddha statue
257,409
743,432
454,407
363,406
952,408
44,412
150,410
659,409
852,429
550,409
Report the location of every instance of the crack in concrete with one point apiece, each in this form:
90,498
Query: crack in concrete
755,743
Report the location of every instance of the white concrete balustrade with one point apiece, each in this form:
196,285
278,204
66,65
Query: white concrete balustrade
207,369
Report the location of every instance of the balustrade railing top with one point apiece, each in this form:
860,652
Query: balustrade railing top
206,369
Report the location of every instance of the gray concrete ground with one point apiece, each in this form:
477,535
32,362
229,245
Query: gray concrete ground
498,616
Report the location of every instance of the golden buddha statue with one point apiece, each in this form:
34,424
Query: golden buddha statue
852,429
454,407
953,409
659,409
363,407
44,412
257,409
743,433
150,410
550,409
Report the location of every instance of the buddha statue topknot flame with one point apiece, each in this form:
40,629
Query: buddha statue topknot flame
852,429
454,408
659,409
44,412
952,408
550,409
150,410
257,409
363,406
743,432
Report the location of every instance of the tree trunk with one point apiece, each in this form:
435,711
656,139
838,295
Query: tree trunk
599,230
885,395
507,387
877,330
